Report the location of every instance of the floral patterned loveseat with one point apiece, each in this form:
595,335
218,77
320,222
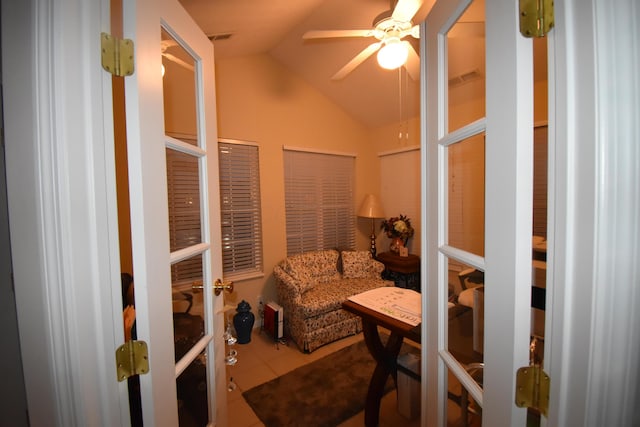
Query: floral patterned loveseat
312,287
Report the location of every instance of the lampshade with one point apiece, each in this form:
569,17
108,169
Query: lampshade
393,54
370,207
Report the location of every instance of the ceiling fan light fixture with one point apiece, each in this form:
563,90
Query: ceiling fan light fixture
393,54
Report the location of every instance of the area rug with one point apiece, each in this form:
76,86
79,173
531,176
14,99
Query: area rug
321,394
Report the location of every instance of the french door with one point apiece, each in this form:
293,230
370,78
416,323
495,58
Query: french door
478,169
175,224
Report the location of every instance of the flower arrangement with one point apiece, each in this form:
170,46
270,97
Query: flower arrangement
397,226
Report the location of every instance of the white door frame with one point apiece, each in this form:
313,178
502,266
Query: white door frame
594,188
594,229
62,207
508,210
509,150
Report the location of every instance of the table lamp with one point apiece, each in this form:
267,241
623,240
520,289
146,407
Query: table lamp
371,208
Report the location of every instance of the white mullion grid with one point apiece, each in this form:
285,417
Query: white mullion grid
459,135
183,147
448,252
466,380
192,150
462,256
188,252
193,352
443,197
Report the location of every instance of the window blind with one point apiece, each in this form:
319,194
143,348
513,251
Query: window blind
540,160
183,185
240,208
400,191
319,201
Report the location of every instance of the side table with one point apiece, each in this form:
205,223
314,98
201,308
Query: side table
403,270
386,355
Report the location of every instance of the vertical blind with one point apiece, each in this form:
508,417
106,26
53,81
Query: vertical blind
240,208
319,201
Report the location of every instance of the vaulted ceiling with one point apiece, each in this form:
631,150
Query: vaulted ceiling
370,94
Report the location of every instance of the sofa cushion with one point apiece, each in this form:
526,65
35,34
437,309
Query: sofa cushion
330,296
313,267
357,264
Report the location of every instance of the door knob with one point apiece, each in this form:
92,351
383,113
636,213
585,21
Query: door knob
218,286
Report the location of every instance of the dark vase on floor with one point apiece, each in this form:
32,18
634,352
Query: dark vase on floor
243,322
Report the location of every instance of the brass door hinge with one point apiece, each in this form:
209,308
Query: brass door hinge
536,17
532,388
132,358
117,55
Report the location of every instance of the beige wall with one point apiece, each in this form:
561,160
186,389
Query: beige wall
261,101
387,139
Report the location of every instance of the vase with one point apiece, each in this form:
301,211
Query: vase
243,322
396,244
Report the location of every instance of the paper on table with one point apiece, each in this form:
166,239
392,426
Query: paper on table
399,303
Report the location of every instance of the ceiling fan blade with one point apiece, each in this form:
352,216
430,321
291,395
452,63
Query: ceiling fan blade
412,31
406,9
178,61
166,44
357,60
413,62
326,34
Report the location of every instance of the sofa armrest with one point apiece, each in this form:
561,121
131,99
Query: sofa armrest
377,266
360,264
289,289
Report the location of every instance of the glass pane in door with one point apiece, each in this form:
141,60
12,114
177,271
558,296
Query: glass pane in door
466,68
185,175
462,410
183,187
475,93
466,194
464,221
188,308
540,195
193,401
179,90
465,325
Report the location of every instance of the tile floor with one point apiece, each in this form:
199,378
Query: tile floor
262,360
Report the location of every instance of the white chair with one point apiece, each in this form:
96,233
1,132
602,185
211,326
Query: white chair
469,279
472,296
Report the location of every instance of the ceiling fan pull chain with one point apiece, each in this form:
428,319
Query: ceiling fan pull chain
406,118
400,102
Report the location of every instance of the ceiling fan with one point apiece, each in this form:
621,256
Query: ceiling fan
389,28
169,43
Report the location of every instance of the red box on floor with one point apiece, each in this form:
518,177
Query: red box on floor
274,320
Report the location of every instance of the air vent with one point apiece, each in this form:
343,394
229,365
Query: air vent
216,37
463,78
